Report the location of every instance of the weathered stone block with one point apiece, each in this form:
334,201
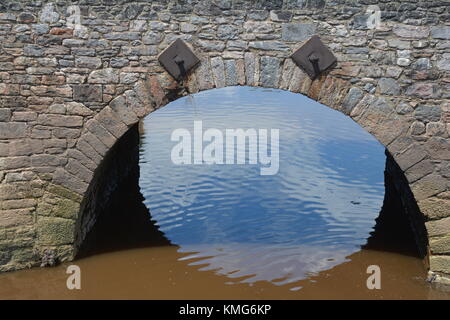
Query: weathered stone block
78,170
111,123
280,15
95,143
352,98
270,72
435,208
56,120
297,32
440,264
5,114
119,62
13,130
87,93
251,68
413,32
204,76
120,109
427,113
419,170
88,62
210,45
14,163
32,50
71,182
389,87
438,148
104,76
438,227
18,204
101,133
258,27
140,51
218,70
230,73
83,159
423,90
16,217
429,186
49,14
411,156
55,231
440,32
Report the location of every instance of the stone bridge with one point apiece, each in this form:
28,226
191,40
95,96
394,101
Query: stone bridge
76,75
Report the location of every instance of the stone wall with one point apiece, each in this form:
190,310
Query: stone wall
71,86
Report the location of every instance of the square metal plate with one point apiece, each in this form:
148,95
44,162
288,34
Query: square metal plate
178,51
314,46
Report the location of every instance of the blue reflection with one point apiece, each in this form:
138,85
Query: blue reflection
317,210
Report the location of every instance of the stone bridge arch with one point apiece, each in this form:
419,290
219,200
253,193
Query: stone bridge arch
69,92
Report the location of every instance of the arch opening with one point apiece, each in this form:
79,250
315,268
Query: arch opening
394,183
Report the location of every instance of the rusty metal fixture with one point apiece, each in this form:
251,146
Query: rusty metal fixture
314,57
178,60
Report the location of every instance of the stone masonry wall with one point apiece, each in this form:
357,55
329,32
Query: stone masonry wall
75,75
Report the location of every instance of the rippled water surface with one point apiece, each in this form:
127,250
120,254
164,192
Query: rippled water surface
317,210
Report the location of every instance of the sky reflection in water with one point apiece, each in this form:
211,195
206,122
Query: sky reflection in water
317,210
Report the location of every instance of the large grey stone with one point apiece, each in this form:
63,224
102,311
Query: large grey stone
204,76
230,73
88,62
438,148
49,14
111,123
388,86
429,186
297,31
104,76
5,114
87,93
63,178
106,137
440,32
56,120
12,130
227,32
218,70
251,68
270,72
427,113
409,31
80,171
353,96
33,50
153,37
443,62
258,27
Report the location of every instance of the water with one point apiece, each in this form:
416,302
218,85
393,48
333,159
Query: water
317,210
230,233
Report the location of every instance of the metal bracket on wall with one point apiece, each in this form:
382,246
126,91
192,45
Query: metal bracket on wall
314,57
178,59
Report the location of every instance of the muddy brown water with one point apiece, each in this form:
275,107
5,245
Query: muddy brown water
158,273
